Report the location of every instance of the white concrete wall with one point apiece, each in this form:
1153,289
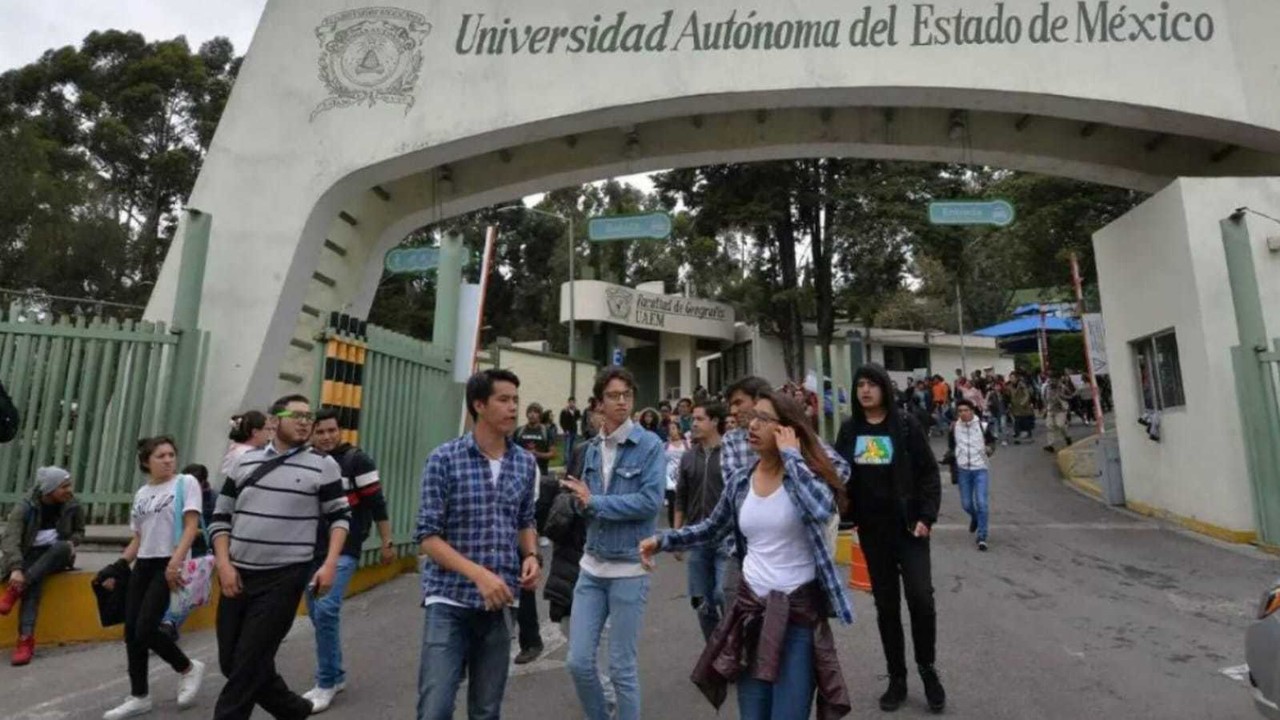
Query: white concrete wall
684,349
544,379
1162,267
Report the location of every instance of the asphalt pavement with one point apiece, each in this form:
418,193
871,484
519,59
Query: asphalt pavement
1077,611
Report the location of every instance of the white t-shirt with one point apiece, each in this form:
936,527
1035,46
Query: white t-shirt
45,538
153,514
778,553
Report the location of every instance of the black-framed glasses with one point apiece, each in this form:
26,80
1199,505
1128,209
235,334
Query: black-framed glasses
302,416
619,396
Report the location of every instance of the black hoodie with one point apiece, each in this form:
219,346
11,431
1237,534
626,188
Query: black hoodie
917,486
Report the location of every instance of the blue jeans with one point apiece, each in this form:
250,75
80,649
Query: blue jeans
454,639
325,613
791,696
706,585
621,602
570,439
973,497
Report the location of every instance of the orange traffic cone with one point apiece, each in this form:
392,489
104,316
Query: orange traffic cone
859,578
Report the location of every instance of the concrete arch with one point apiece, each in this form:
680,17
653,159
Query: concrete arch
329,152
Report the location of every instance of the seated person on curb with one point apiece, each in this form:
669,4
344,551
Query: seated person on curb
40,540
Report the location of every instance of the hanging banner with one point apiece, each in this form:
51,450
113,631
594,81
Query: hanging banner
1097,342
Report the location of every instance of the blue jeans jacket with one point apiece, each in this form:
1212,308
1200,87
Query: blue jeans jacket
619,518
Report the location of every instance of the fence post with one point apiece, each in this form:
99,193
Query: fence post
1255,390
444,334
186,320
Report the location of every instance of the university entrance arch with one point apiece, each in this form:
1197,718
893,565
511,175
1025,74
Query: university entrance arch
352,125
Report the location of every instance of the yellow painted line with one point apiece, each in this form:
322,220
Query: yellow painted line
1240,537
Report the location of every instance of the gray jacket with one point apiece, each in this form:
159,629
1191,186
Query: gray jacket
24,522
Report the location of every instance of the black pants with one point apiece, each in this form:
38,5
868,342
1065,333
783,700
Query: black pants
527,618
893,554
145,605
251,627
671,508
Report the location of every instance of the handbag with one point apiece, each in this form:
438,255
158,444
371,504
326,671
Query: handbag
197,570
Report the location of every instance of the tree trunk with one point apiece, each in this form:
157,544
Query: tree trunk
792,327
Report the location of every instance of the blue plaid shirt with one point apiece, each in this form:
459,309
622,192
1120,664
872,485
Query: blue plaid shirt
481,520
736,455
811,497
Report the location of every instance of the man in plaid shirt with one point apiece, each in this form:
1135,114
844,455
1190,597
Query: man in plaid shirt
736,454
476,511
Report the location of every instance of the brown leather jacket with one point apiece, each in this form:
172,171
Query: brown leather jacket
751,638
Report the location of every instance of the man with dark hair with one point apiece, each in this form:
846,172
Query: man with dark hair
476,524
539,439
894,494
570,419
698,488
620,493
969,443
264,533
363,487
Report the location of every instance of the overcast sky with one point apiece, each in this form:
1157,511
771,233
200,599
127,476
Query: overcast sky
29,27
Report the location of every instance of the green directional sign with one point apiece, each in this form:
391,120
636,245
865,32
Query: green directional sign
649,226
971,212
406,261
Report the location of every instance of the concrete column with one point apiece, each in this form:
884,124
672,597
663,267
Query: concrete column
444,333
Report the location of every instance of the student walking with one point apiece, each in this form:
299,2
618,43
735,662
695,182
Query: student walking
969,444
779,510
1022,408
163,534
249,431
39,540
675,449
894,492
264,536
476,524
570,420
620,491
363,488
699,484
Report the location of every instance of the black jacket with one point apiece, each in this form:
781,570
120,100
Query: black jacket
917,484
699,484
8,417
111,602
567,528
363,488
569,420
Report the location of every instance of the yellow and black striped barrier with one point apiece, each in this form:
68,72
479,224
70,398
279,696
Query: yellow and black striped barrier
344,357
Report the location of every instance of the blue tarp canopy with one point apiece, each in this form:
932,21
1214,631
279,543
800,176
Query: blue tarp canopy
1021,335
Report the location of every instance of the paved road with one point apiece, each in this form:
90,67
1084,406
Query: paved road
1078,611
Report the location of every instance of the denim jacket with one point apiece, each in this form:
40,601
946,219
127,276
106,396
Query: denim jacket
619,518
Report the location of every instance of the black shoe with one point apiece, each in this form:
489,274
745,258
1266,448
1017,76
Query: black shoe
1049,449
982,545
893,698
528,655
973,525
933,691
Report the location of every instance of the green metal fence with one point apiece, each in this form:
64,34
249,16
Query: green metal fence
410,405
86,391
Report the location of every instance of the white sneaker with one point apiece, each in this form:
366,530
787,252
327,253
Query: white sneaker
340,687
189,684
131,707
321,699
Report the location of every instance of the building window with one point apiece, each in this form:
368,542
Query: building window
737,362
900,358
1159,372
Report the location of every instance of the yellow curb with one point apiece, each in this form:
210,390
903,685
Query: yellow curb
69,609
1086,485
1240,537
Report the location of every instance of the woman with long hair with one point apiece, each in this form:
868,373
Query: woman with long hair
249,431
158,550
676,446
650,420
779,511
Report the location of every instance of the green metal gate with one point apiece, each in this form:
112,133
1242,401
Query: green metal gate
409,405
86,391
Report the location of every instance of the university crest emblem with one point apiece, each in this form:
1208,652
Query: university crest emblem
370,55
619,301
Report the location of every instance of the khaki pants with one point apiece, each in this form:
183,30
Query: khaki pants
1058,437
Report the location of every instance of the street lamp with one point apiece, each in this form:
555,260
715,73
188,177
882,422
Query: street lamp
573,363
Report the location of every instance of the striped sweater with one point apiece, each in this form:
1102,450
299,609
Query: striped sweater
273,523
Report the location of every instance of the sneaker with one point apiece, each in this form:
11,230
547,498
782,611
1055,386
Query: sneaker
321,699
933,691
132,707
893,698
982,546
1005,443
24,651
9,599
973,525
189,684
528,655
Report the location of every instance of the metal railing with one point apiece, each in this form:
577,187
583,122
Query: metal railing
86,391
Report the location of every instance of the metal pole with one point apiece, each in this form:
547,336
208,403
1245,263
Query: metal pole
1088,347
964,357
573,319
186,320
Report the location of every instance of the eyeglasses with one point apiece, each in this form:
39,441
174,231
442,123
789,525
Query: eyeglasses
619,396
762,418
299,416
